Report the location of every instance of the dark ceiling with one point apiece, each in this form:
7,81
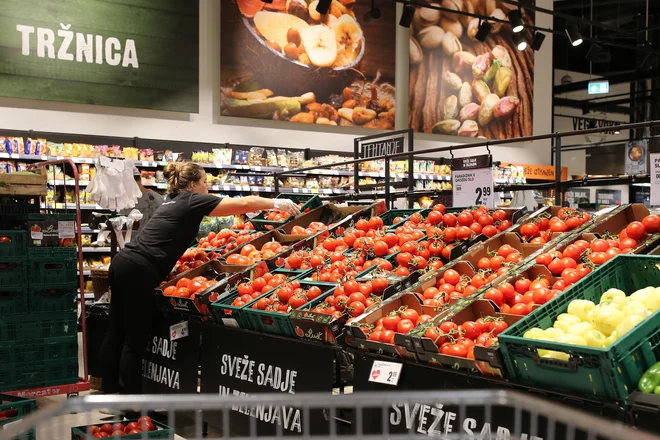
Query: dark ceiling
624,24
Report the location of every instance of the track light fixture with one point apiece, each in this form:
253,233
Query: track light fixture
574,35
515,18
372,14
483,31
407,16
520,41
323,6
537,42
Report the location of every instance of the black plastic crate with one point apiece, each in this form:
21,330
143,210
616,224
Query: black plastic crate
13,301
13,272
52,267
60,299
38,350
37,326
13,244
13,216
38,374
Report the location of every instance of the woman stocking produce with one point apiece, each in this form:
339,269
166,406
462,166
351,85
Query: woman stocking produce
140,267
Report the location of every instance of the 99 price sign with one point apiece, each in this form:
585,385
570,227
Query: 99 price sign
473,187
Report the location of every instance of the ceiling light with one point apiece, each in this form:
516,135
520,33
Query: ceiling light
574,35
323,6
515,18
483,31
520,41
407,16
537,42
371,15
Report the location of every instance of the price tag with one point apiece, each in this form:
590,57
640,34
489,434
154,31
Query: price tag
226,187
385,372
178,331
60,157
4,155
473,187
15,156
655,179
230,322
257,168
65,229
296,190
315,190
145,163
246,187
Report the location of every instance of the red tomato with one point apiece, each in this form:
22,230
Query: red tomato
410,314
556,266
627,243
449,220
470,329
522,285
636,230
529,230
494,295
489,231
497,327
455,350
508,291
651,223
387,336
451,276
404,326
519,309
599,245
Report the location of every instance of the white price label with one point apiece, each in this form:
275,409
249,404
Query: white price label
230,322
66,229
145,163
226,188
655,179
473,187
385,372
315,190
178,331
257,168
246,187
296,190
15,156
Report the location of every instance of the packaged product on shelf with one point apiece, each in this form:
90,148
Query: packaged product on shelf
3,148
3,166
130,153
160,177
268,181
200,156
147,154
83,171
271,158
13,145
167,156
237,158
255,156
244,157
311,184
281,158
221,156
36,146
148,177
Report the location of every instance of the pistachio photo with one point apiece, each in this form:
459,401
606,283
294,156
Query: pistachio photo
286,60
470,79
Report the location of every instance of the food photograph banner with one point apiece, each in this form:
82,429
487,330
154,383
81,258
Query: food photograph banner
285,61
140,54
464,87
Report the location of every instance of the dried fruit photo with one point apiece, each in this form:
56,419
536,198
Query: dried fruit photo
464,87
286,61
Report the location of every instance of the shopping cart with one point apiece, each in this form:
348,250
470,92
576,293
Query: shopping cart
363,415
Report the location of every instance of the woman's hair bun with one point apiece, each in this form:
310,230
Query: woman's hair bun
180,175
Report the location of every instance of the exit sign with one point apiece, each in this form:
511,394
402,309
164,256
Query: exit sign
599,87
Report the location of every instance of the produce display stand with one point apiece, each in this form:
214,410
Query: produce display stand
70,389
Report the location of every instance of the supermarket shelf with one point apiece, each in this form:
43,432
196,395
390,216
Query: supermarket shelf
241,188
264,169
85,272
87,230
98,250
71,206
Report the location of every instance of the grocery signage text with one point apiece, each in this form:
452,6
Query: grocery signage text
586,123
382,147
264,375
435,421
88,48
159,373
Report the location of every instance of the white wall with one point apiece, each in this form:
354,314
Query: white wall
209,126
576,160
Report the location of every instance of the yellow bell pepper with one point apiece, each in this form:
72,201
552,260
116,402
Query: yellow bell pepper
627,324
606,318
610,295
635,307
580,308
569,319
595,338
652,300
572,339
580,328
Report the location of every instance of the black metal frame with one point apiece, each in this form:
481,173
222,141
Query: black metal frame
559,186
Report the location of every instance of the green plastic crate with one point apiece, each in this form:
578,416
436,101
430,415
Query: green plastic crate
162,431
23,407
13,244
13,301
52,267
61,299
38,374
14,215
37,326
610,373
13,272
38,350
280,323
222,309
309,201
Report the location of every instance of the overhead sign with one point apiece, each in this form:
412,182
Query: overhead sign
472,184
608,196
599,87
127,54
382,147
655,179
587,123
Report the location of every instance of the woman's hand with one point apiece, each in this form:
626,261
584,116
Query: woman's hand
286,205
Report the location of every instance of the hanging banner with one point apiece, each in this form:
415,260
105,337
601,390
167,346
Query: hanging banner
382,147
587,123
655,179
461,86
636,157
126,54
283,60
